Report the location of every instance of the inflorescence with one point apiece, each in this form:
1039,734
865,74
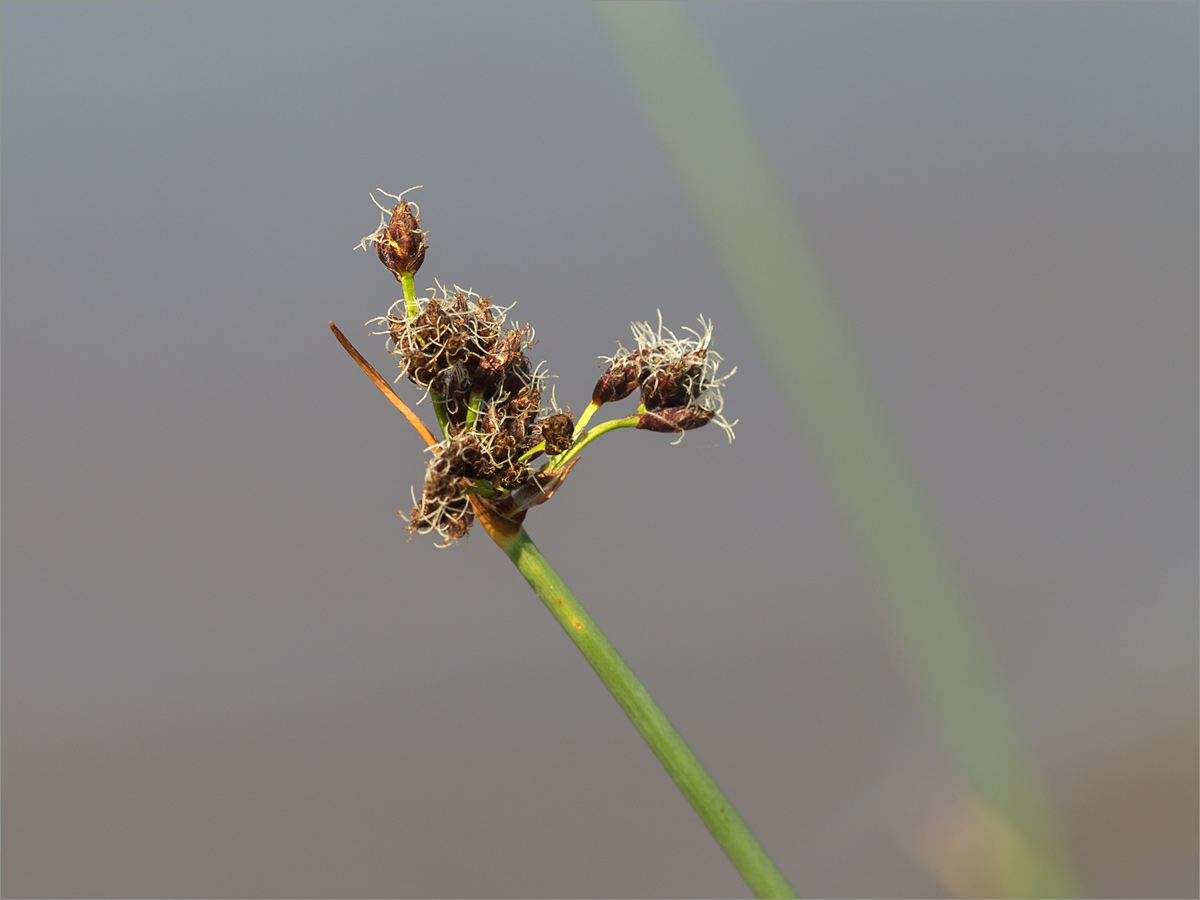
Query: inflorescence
680,389
458,348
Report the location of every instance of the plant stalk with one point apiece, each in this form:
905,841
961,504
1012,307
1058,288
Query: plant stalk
714,809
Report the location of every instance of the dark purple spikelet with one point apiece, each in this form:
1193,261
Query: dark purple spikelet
443,346
499,361
676,418
673,381
401,245
557,431
622,377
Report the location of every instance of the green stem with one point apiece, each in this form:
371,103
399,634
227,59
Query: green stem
478,487
735,838
413,309
473,408
533,451
604,427
587,414
439,410
410,295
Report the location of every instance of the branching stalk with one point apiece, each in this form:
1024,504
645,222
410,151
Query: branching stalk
714,809
580,443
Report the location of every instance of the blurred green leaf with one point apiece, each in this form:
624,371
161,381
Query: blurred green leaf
757,238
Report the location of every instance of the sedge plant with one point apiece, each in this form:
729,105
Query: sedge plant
502,451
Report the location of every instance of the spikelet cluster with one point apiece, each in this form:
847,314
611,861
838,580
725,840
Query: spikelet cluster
460,349
677,377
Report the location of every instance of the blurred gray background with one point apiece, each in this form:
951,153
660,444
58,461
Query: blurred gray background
226,672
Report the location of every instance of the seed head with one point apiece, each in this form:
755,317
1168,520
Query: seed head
488,397
674,381
443,507
622,377
503,359
677,418
673,373
557,430
442,347
399,241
